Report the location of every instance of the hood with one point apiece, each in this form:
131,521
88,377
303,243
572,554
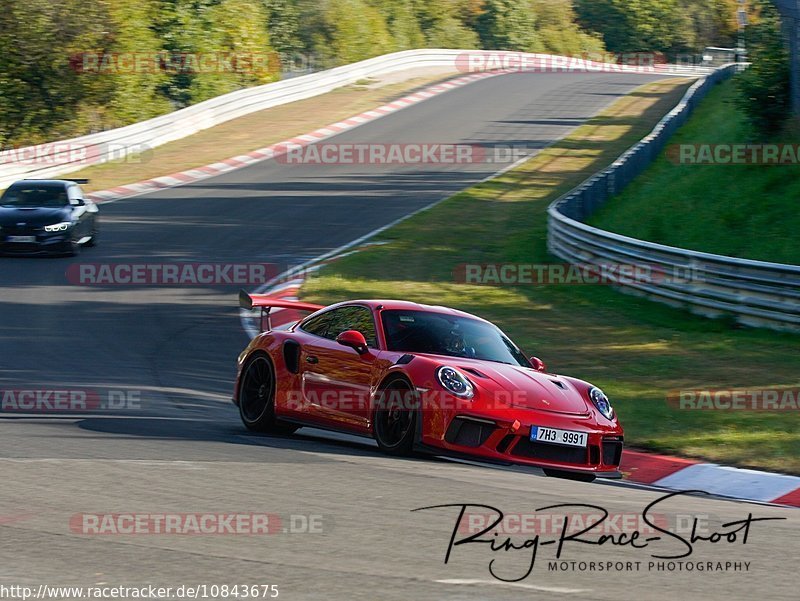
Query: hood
530,389
33,217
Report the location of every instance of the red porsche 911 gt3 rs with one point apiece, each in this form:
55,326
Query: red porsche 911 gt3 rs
422,378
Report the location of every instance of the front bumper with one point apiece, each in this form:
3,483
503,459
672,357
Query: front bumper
508,441
44,245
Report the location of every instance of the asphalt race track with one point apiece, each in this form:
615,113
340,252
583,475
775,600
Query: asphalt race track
183,450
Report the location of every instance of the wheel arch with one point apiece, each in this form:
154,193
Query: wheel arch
388,378
393,376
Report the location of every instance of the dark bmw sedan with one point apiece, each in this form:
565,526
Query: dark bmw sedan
46,217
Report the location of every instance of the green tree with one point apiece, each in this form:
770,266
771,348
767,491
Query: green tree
237,29
283,24
214,28
181,27
133,93
286,34
352,30
508,25
41,88
402,23
713,22
764,92
559,32
442,25
45,95
637,25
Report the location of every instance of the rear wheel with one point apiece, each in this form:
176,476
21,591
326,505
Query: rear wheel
396,418
257,397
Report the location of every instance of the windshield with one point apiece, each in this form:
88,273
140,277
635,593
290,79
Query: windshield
442,334
34,196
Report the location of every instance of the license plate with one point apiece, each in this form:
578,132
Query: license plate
556,436
21,239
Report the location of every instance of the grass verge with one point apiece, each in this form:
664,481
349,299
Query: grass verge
730,209
253,131
635,349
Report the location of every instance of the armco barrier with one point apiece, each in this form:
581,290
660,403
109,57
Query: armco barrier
753,292
116,143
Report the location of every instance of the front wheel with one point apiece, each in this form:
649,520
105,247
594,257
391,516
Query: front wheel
396,418
257,397
73,249
92,242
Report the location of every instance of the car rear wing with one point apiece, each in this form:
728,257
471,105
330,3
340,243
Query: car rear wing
266,303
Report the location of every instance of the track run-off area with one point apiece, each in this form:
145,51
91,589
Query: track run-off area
341,513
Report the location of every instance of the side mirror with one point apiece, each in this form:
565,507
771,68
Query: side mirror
354,339
78,202
537,364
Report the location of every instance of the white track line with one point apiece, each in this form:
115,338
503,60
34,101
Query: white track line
530,587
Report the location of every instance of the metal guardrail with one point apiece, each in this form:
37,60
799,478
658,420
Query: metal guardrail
58,158
754,293
117,143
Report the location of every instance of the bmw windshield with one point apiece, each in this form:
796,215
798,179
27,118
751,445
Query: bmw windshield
35,196
449,335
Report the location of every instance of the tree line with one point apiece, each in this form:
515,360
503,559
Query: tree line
70,67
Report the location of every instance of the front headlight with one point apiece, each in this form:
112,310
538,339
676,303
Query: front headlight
602,403
455,382
58,227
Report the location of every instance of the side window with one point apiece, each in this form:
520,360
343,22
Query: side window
317,325
353,318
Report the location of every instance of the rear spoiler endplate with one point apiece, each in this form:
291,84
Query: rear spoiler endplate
266,303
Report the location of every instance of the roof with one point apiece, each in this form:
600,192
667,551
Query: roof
49,182
400,305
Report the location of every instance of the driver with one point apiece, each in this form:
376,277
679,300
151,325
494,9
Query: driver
455,344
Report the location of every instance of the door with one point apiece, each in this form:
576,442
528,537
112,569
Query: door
336,380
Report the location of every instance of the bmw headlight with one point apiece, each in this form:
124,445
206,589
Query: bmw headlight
602,403
58,227
455,382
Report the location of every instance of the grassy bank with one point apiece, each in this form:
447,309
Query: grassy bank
635,349
731,209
